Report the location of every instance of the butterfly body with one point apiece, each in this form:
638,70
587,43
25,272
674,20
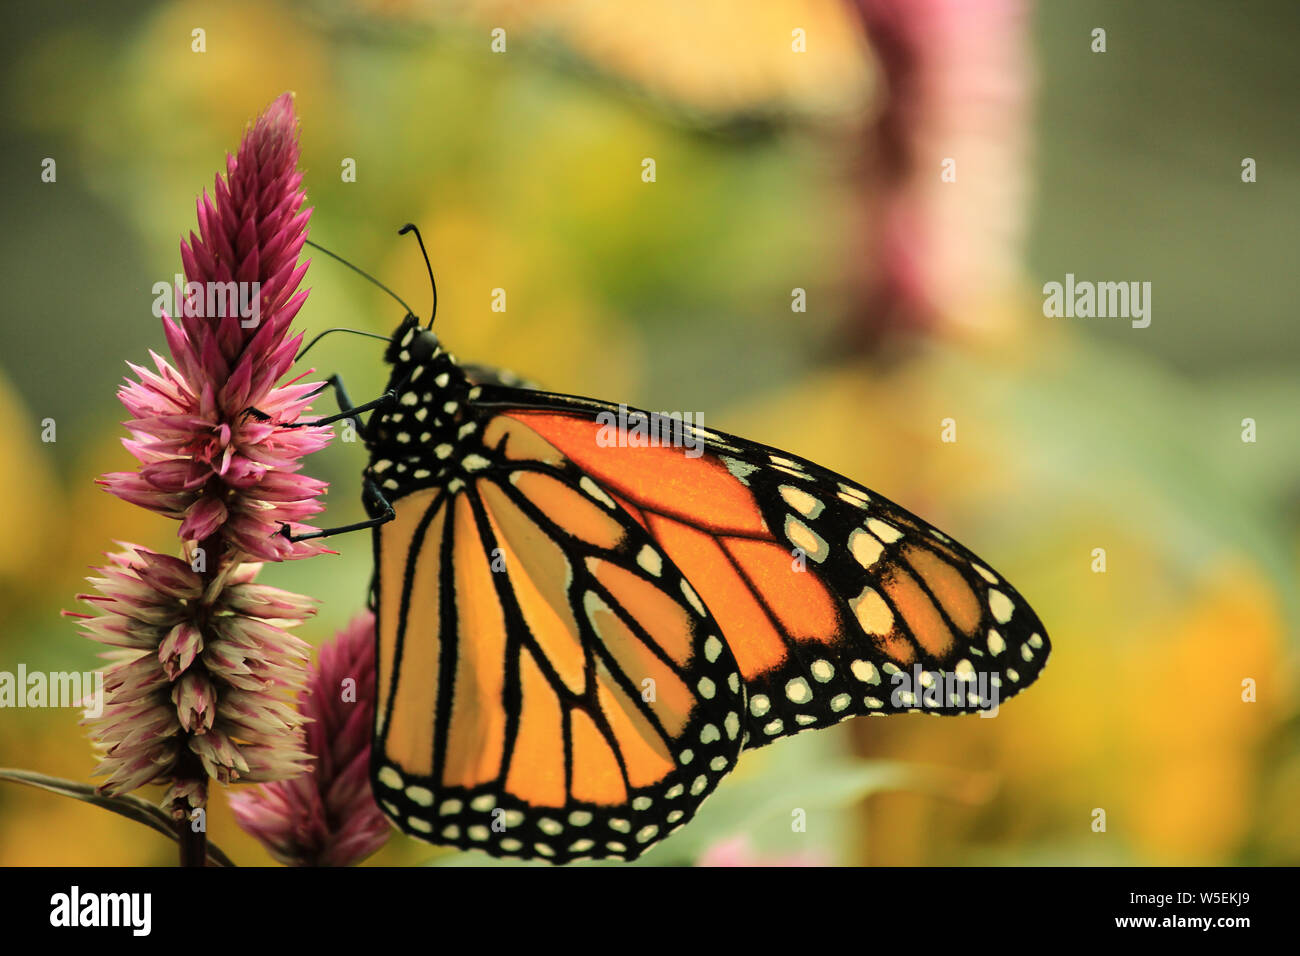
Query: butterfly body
418,442
577,637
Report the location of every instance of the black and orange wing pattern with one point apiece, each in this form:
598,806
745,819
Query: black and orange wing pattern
835,601
576,637
549,684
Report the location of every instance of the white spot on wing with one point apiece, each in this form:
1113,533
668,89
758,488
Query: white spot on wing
865,671
798,691
806,539
885,532
692,597
865,548
420,795
852,492
649,560
593,489
740,470
1001,606
801,501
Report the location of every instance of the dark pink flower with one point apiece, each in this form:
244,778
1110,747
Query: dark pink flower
206,460
327,817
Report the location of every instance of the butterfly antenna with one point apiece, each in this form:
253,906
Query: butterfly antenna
361,272
410,227
369,335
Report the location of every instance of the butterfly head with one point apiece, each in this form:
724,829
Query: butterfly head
411,344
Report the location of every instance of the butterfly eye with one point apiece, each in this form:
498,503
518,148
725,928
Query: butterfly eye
423,346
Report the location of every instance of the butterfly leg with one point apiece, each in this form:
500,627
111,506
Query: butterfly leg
372,495
348,410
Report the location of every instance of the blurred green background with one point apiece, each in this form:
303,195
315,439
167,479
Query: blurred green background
775,170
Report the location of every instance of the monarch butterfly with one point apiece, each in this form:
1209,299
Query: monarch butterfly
577,636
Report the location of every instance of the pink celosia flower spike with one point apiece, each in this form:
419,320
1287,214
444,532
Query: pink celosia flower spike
199,684
227,472
327,817
202,663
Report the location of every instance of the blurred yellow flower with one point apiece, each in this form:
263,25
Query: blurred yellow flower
724,57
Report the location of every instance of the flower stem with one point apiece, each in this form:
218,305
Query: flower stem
193,842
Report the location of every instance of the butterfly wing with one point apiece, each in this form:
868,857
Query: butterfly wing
492,375
833,600
549,684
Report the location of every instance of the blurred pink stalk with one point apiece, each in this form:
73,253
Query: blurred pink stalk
957,77
327,817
